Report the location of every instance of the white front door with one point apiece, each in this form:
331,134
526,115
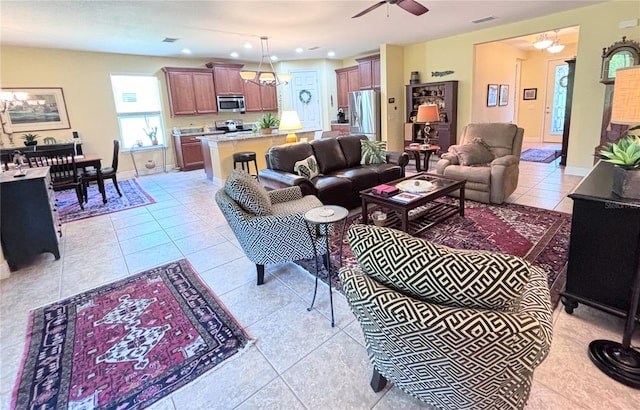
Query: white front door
555,102
305,98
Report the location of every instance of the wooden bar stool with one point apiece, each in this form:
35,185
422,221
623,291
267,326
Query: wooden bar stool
245,158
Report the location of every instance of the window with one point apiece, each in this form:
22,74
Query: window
137,99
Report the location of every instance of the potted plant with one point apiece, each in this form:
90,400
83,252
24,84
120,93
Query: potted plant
625,155
267,122
30,139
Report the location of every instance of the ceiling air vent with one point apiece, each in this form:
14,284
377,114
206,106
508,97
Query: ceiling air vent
169,40
483,20
313,48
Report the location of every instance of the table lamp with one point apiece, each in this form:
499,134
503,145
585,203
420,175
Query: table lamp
621,361
427,113
289,121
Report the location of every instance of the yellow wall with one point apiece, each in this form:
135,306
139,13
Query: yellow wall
598,28
391,86
534,75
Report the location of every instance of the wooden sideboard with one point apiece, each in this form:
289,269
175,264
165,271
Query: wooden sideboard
603,250
29,223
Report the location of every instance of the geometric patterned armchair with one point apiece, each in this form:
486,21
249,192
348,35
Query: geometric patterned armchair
488,157
454,328
269,225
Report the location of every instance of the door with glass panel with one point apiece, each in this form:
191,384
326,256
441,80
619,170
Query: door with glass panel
556,99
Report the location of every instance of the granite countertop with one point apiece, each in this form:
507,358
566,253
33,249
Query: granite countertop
339,123
202,133
240,135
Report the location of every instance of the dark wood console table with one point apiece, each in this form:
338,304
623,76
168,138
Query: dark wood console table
603,251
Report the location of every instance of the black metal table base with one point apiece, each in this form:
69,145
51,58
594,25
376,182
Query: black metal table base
327,258
616,361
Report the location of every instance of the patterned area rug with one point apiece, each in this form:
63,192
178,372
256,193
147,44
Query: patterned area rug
540,236
540,155
133,195
127,344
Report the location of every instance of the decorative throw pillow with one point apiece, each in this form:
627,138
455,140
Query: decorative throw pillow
477,152
307,168
248,193
438,274
373,152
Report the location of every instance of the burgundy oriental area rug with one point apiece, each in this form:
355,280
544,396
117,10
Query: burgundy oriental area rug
127,344
133,195
538,235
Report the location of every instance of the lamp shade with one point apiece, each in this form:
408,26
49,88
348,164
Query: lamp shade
428,113
556,47
625,108
289,121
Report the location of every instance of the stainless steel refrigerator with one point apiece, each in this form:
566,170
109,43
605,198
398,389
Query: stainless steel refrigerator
364,113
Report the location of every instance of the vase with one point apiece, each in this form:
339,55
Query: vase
265,131
29,143
626,182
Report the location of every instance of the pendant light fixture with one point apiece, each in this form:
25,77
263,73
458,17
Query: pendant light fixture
544,42
268,77
556,47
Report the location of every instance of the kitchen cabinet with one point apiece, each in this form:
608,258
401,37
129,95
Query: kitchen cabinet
443,94
227,79
188,152
603,246
191,91
29,223
343,129
348,79
260,97
369,72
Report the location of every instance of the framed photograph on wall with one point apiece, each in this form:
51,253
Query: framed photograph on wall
530,94
33,109
492,95
504,94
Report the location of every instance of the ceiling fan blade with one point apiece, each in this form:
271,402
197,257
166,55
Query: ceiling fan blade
375,6
413,7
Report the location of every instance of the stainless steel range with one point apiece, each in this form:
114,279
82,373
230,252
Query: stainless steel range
232,126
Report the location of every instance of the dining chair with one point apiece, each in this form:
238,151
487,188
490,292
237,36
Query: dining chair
64,173
107,172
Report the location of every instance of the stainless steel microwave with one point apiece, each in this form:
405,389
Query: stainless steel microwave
231,103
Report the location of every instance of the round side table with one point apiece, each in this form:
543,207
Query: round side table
323,217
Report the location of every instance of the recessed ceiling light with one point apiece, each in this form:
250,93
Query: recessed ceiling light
234,54
274,58
299,50
331,54
247,45
186,51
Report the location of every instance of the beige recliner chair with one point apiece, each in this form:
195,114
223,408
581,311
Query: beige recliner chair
488,157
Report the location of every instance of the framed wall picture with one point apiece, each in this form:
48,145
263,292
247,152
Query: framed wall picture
530,94
33,109
492,95
504,94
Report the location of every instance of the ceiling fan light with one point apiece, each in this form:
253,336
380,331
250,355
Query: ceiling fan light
542,42
556,47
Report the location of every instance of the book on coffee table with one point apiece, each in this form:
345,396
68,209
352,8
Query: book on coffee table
385,190
407,197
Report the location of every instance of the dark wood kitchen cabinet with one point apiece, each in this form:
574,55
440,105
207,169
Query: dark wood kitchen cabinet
260,97
348,79
369,72
227,79
188,152
603,249
29,223
191,91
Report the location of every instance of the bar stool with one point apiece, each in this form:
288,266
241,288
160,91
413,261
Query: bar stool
245,158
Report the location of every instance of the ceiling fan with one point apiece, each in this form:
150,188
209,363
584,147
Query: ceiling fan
411,6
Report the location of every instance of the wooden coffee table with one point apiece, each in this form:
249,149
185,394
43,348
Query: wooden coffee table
428,209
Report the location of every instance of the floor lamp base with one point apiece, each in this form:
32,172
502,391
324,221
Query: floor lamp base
619,363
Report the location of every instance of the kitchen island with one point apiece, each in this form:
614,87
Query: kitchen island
219,164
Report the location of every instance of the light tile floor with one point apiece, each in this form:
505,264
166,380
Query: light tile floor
298,361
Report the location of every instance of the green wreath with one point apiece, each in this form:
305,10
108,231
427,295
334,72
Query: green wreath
304,96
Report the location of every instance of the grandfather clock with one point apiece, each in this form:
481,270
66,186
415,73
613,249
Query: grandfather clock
621,54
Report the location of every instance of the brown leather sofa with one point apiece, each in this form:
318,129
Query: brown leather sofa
341,176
